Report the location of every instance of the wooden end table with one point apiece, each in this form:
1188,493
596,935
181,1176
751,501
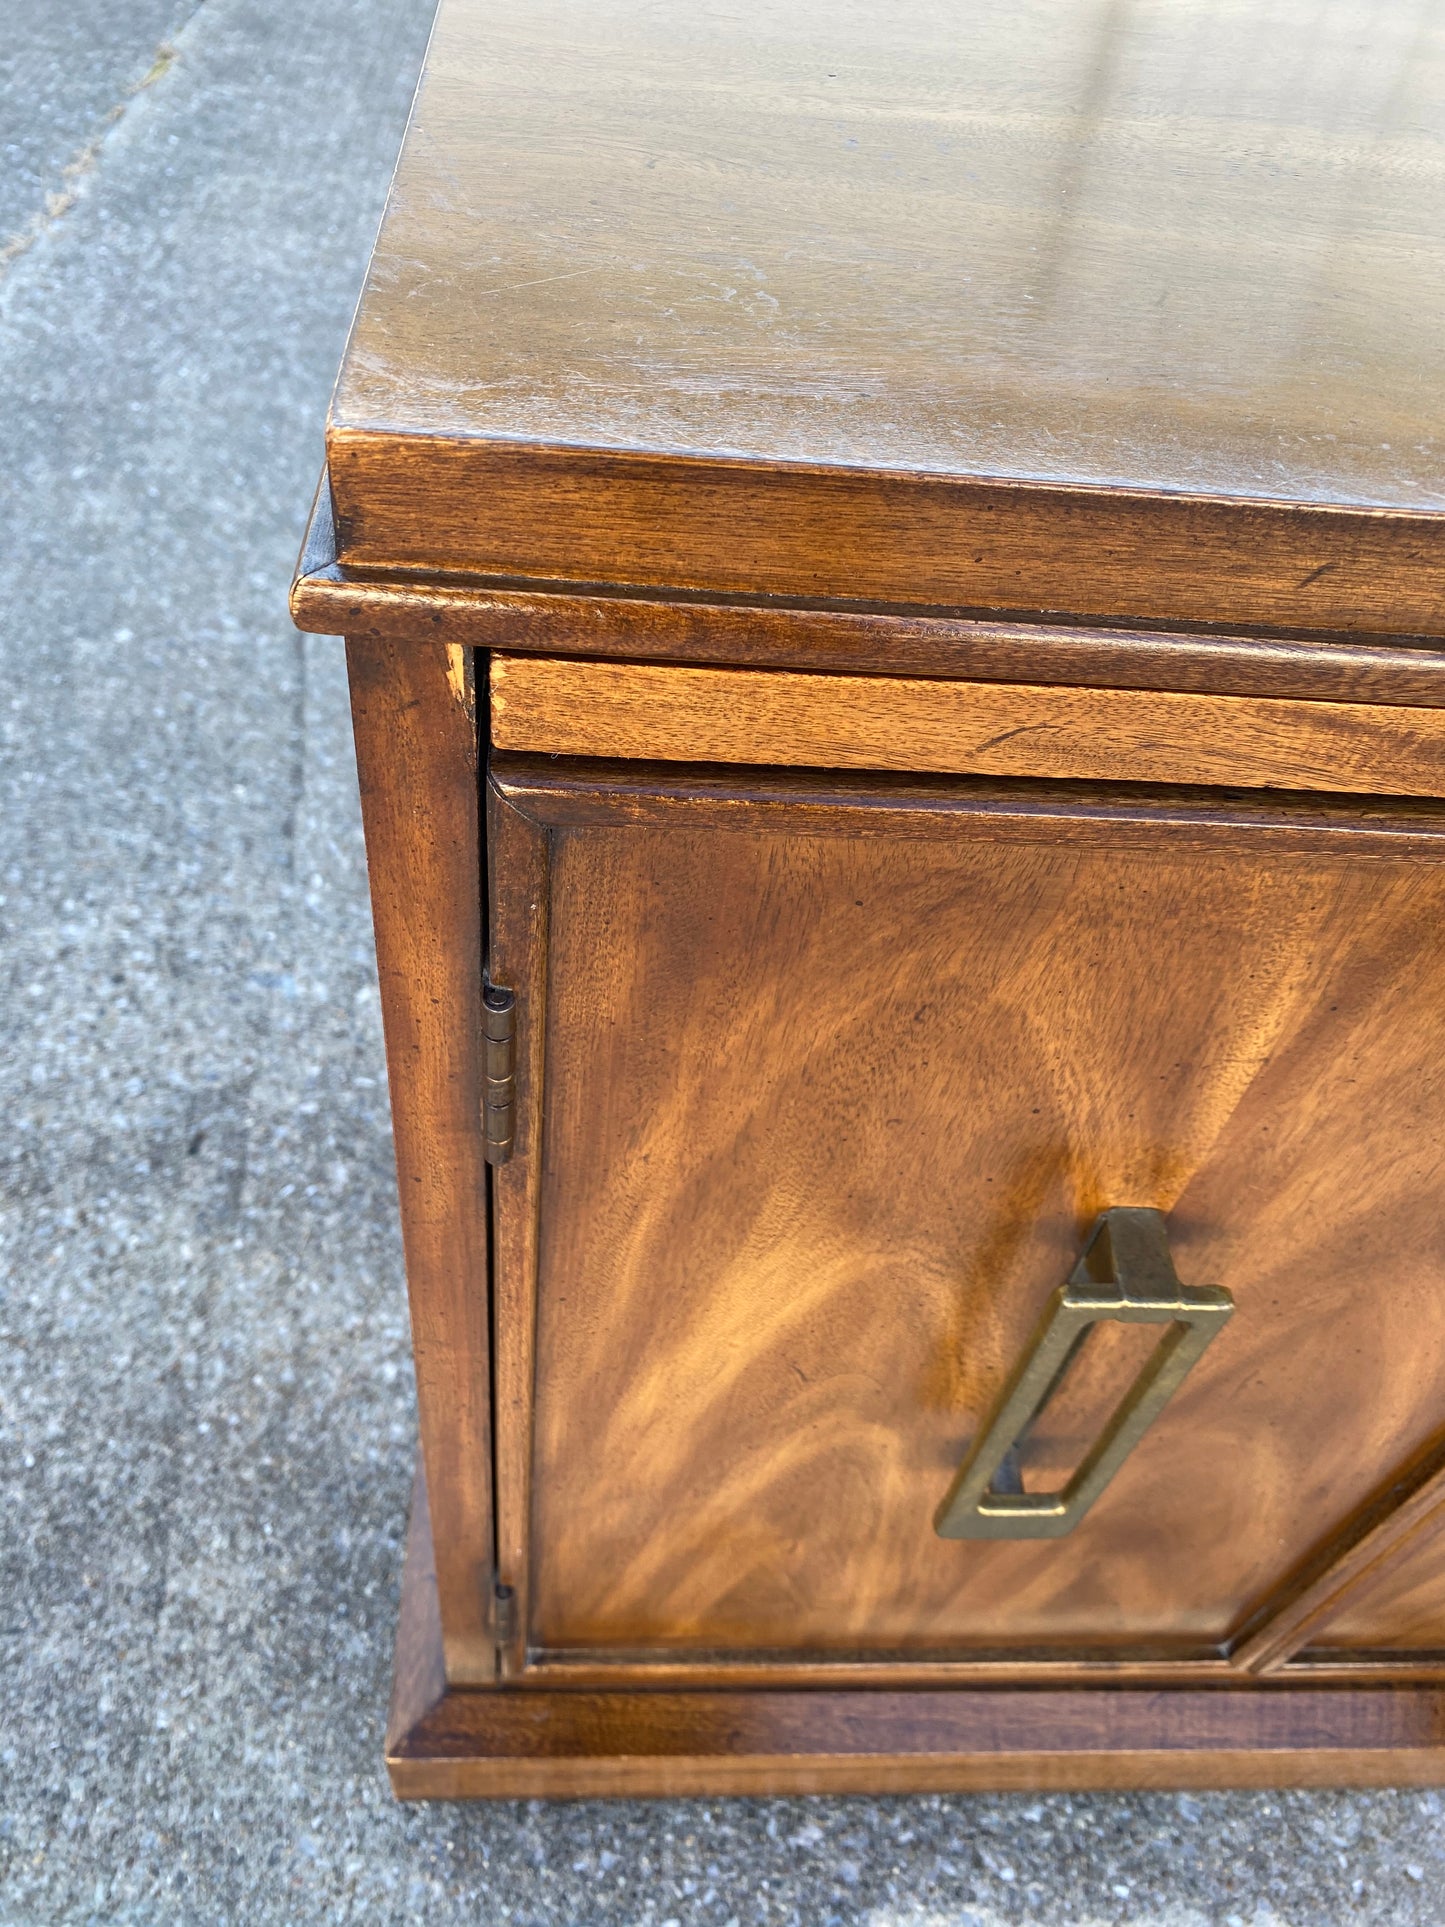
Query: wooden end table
894,577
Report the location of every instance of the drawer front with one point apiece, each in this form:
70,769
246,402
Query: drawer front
830,1087
673,713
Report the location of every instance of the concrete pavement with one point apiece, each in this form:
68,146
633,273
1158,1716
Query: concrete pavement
205,1407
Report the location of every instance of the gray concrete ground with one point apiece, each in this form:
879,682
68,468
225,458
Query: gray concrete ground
206,1430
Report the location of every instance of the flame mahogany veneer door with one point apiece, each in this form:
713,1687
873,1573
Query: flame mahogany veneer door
822,1083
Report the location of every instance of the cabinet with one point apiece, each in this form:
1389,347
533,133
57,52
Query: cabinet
908,853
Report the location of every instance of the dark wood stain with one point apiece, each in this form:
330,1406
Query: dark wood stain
416,750
955,518
894,305
748,635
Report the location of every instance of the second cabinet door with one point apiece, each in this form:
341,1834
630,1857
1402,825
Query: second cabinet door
822,1087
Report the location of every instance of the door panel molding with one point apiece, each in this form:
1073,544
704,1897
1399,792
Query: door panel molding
1408,1513
535,804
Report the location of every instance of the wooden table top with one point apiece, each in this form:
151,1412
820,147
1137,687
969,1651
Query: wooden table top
1103,307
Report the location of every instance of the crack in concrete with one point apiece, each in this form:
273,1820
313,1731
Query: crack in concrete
83,162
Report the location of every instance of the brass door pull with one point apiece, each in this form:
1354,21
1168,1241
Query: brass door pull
1124,1272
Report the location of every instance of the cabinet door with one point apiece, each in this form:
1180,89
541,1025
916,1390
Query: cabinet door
822,1085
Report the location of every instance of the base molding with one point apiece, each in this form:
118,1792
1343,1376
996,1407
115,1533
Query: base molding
523,1742
517,1744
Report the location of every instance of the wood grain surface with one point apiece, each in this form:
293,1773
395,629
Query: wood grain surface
419,1678
827,1112
657,712
447,506
416,749
1120,312
1401,1610
521,1745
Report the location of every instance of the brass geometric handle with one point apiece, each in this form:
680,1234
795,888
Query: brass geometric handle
1124,1272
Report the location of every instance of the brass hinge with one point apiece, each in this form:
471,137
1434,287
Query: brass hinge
499,1103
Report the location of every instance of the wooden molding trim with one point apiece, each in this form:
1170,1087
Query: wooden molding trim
1382,1538
565,618
557,792
1025,1667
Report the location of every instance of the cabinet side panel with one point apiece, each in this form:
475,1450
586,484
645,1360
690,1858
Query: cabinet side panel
416,750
